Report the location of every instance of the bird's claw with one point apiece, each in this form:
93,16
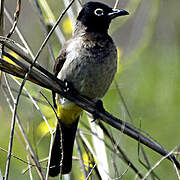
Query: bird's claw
100,108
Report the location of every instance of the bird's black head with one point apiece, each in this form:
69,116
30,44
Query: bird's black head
96,16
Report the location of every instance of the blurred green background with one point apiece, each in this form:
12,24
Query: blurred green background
148,78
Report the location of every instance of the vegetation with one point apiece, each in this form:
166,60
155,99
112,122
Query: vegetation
145,92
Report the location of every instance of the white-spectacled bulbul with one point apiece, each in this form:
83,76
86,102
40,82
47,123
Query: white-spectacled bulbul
88,61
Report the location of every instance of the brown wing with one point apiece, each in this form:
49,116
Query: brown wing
57,68
59,61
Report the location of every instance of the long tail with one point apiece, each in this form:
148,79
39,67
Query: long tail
65,152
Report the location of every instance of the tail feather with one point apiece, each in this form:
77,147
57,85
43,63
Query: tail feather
68,136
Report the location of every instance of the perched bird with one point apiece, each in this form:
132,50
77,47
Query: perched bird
88,61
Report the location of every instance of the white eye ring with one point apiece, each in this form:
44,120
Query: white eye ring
99,12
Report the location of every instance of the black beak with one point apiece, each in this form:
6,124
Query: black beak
117,12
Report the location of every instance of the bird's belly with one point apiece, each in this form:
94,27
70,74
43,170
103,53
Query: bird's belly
91,78
94,80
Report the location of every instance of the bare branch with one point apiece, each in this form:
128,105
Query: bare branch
90,106
16,18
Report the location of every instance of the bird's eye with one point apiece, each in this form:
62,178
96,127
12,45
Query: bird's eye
99,12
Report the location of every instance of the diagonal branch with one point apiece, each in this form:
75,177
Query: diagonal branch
44,80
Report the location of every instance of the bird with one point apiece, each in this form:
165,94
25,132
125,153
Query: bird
87,62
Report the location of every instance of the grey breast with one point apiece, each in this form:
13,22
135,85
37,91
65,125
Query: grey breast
90,66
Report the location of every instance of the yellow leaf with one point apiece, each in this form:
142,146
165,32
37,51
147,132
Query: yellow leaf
88,160
119,53
47,111
43,129
67,26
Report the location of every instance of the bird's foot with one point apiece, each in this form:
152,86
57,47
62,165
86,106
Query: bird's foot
100,108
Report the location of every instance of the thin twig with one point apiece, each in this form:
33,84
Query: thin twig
33,155
19,33
25,95
157,164
147,162
52,30
124,157
11,139
20,90
16,157
80,157
116,4
35,104
19,72
25,66
90,150
99,147
16,18
70,12
29,167
122,174
123,101
90,172
1,31
131,119
52,138
51,20
44,29
2,18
